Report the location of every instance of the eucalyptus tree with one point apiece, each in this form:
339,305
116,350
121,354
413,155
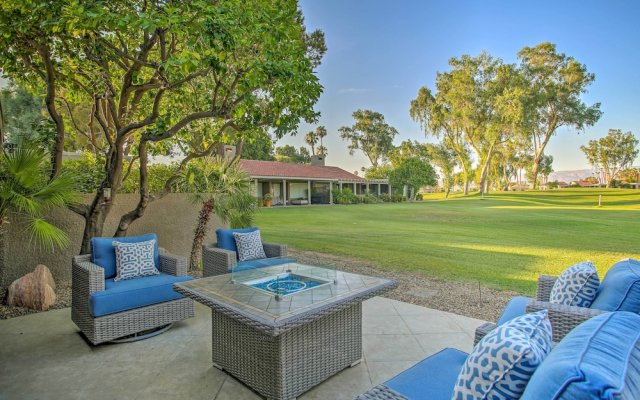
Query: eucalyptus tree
556,83
151,71
370,134
612,153
443,158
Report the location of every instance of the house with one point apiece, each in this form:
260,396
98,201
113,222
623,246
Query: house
305,183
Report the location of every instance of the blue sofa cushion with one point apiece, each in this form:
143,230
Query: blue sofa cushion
134,293
620,288
501,364
103,253
516,307
432,378
265,262
576,286
599,359
227,241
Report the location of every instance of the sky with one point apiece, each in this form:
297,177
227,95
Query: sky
381,52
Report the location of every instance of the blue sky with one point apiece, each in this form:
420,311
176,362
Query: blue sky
381,52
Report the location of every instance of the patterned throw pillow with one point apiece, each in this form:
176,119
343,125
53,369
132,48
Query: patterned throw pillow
249,246
501,364
576,286
134,260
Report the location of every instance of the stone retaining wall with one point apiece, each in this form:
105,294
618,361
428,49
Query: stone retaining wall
173,218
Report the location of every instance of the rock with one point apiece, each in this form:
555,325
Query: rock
35,290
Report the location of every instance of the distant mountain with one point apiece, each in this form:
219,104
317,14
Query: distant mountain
575,175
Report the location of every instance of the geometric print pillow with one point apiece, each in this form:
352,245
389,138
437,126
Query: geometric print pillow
501,364
576,286
249,245
134,259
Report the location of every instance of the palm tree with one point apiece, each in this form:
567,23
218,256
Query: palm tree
222,188
26,191
311,140
322,151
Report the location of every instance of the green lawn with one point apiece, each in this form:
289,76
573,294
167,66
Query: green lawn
503,240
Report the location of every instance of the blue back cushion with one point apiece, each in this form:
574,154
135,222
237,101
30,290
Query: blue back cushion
227,241
104,255
599,359
620,288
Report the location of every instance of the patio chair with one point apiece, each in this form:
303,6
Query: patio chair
106,310
222,257
584,365
619,291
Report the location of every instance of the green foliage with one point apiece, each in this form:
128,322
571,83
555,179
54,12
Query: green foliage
158,175
26,191
629,175
258,148
346,196
370,134
445,160
87,171
379,172
24,116
392,198
368,198
612,153
290,154
316,137
413,172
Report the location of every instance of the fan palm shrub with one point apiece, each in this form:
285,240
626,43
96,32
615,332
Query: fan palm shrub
25,190
223,189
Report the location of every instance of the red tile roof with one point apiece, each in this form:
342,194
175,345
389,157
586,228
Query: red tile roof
287,170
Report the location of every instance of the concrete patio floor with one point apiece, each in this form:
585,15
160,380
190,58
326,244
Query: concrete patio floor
42,356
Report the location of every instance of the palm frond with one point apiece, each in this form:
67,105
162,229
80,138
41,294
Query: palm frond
48,235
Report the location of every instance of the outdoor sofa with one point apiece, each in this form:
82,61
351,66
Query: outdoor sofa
105,310
599,359
221,257
619,291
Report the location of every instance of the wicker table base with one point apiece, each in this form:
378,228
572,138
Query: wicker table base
289,364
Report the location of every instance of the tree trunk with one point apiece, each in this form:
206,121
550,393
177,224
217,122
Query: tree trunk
50,98
485,172
127,219
199,233
446,192
534,174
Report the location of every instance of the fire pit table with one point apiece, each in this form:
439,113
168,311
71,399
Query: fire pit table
284,329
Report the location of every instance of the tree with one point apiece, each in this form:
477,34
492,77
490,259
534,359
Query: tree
311,139
24,116
612,153
370,134
379,172
445,160
152,73
556,83
26,191
260,148
413,173
222,187
629,175
290,154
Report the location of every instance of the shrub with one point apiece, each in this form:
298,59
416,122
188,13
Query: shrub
368,199
158,175
345,196
87,171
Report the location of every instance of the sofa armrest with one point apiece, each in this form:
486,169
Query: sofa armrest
172,264
563,318
275,250
482,331
545,284
86,277
217,261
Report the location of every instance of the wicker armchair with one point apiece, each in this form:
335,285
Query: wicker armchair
88,278
563,318
217,261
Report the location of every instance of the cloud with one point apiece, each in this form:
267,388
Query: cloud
353,90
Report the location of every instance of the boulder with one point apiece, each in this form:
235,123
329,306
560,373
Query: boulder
35,290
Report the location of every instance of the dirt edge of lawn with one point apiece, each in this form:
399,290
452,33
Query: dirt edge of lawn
463,298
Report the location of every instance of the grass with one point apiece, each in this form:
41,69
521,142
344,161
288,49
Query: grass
504,240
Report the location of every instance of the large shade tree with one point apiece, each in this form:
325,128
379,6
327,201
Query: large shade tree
556,83
612,153
370,134
151,72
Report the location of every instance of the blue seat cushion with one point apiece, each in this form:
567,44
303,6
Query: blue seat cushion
599,359
514,308
134,293
227,241
432,378
264,262
620,288
103,253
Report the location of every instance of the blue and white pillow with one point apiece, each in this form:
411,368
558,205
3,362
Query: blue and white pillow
134,260
501,364
576,286
249,245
